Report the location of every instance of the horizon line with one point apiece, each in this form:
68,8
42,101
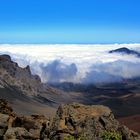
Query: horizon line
138,43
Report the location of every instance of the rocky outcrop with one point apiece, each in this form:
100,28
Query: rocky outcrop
75,121
78,121
5,108
33,124
21,78
3,124
17,133
13,126
5,58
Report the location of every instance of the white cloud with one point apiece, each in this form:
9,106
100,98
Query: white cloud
75,63
57,71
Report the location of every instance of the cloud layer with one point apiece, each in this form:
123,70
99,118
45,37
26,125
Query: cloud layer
56,71
76,63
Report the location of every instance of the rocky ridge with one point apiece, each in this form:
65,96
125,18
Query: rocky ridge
72,121
21,78
23,89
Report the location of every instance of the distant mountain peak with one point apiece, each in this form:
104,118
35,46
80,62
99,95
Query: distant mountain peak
125,50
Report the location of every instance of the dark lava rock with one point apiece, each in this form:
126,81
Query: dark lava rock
5,57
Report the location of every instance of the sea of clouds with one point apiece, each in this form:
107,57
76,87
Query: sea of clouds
75,63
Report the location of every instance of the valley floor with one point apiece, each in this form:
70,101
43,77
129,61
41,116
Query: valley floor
132,122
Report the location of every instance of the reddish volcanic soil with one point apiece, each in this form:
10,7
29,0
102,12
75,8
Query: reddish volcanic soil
132,122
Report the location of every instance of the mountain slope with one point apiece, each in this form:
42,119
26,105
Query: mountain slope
25,90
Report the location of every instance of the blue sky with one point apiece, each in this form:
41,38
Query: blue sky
69,21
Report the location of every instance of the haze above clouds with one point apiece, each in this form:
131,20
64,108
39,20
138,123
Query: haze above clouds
76,63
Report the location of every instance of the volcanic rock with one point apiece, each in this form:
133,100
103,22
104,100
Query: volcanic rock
87,122
75,121
5,108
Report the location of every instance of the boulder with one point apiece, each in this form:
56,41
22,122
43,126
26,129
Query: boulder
18,133
5,108
3,124
87,122
32,124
